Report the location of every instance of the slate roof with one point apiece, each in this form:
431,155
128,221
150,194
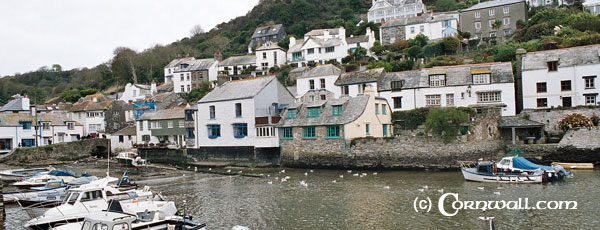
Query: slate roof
13,119
322,70
238,89
300,69
164,114
359,38
353,108
90,106
269,45
362,76
14,104
127,131
176,62
167,87
55,119
582,55
321,32
271,30
492,4
418,20
239,60
297,46
293,90
197,64
501,72
517,122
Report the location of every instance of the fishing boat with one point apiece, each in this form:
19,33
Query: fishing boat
486,171
53,190
18,174
88,198
41,179
121,217
130,159
512,162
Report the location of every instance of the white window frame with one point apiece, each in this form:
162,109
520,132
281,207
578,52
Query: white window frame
492,12
170,124
437,80
477,14
506,21
506,10
590,99
433,100
489,97
450,99
479,79
477,25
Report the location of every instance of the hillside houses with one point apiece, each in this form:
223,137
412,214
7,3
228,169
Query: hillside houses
384,10
493,19
435,27
187,73
264,34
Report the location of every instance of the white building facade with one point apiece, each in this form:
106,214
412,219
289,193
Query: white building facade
269,55
241,113
135,92
187,73
318,78
562,77
383,10
16,130
477,85
355,83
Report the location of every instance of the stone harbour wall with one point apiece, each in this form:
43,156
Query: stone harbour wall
386,153
550,117
582,139
58,153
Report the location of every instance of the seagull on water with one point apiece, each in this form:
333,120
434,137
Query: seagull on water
341,176
305,174
229,171
480,188
440,190
312,170
334,181
386,187
497,193
269,182
421,190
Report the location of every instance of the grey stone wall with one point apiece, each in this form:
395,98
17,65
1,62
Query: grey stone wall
550,117
58,153
582,139
392,153
548,153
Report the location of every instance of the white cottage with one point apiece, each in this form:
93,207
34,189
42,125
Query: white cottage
321,77
561,77
187,73
136,92
241,113
383,10
476,85
269,55
16,130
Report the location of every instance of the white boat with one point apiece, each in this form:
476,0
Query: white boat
88,198
517,164
144,216
19,174
53,190
130,159
42,179
484,172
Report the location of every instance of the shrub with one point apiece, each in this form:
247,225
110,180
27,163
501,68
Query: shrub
411,119
450,44
445,122
398,46
414,51
433,49
574,120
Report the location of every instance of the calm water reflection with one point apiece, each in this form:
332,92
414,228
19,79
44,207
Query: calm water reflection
354,202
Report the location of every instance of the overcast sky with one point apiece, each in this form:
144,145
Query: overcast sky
84,33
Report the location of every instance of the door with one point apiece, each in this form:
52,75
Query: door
566,102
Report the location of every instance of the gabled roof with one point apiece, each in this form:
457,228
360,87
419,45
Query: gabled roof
269,45
13,119
362,76
164,114
501,72
55,119
582,55
517,122
322,70
196,64
238,89
176,62
359,38
489,4
321,32
90,106
15,104
127,131
239,60
353,108
297,46
270,30
420,19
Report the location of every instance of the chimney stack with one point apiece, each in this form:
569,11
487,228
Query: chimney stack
218,56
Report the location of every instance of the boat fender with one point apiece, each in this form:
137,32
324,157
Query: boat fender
134,201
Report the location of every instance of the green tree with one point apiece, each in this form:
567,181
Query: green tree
196,94
445,122
358,54
414,51
347,14
378,64
70,95
445,5
377,48
450,45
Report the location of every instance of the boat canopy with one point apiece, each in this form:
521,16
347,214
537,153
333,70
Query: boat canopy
522,163
514,152
61,173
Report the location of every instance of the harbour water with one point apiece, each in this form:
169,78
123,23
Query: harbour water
381,201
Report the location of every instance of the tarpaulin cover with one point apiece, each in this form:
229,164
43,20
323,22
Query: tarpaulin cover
522,163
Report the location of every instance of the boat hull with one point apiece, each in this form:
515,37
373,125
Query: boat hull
470,175
128,162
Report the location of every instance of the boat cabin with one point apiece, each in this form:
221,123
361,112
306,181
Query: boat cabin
51,184
108,220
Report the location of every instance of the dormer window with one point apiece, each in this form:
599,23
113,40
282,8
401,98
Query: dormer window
437,80
291,113
481,78
337,110
552,66
313,111
396,85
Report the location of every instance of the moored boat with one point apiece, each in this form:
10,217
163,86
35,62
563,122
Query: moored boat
42,179
130,159
487,172
53,190
19,174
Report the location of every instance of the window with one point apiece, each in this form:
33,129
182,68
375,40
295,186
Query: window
450,99
446,23
25,124
189,88
313,112
477,14
397,102
385,130
506,21
182,88
286,133
412,29
330,49
383,109
189,115
361,88
310,51
376,108
368,129
5,144
422,28
265,132
238,109
308,132
189,133
589,82
481,78
345,90
492,35
141,125
188,76
158,124
323,97
491,23
396,86
264,54
433,100
437,80
542,102
121,139
146,138
311,84
181,75
541,87
590,99
565,85
492,12
337,110
275,57
45,126
552,66
506,32
291,114
322,80
120,226
211,111
333,131
486,97
240,130
170,124
296,55
477,26
506,10
214,131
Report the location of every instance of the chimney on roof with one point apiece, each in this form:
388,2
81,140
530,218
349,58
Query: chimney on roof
153,89
178,55
218,56
25,102
187,54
